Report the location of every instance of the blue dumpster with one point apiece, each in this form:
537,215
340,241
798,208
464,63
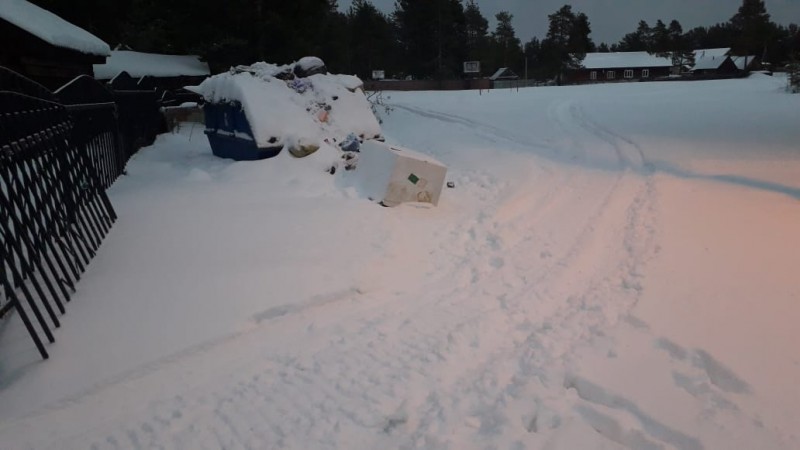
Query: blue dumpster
230,135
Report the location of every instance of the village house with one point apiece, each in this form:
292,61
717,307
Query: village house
713,61
619,66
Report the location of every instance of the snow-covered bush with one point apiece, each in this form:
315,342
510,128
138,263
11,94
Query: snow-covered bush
794,75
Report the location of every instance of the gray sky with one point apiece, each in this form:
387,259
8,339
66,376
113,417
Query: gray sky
612,19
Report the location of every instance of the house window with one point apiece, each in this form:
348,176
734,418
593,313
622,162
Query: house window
610,75
645,73
593,75
629,73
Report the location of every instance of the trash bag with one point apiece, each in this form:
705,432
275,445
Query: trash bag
310,65
300,85
351,143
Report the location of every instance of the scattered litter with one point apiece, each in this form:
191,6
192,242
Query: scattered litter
300,85
451,184
302,149
351,143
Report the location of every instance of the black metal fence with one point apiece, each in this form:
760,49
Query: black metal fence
59,152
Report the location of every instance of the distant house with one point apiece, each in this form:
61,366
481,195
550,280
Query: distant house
714,61
619,66
722,65
44,47
504,73
163,71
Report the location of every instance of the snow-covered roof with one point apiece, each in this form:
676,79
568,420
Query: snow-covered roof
503,72
708,62
742,62
51,28
624,60
293,110
143,64
712,53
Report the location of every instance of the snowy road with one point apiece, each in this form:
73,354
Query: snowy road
586,285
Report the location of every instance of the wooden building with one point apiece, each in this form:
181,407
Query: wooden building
619,66
44,47
711,62
719,65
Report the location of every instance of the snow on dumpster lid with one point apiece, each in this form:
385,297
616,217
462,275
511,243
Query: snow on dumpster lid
292,110
51,28
138,65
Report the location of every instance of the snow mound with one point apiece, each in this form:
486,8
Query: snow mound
279,105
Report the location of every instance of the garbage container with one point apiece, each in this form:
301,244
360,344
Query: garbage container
230,135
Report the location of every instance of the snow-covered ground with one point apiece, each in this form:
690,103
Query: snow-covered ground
615,268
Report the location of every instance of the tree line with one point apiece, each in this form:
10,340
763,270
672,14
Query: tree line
420,38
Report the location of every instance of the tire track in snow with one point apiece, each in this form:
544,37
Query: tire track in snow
636,236
484,129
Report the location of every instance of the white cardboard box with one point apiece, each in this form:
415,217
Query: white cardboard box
394,175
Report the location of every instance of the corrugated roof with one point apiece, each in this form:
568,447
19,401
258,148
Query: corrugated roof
51,28
150,64
624,60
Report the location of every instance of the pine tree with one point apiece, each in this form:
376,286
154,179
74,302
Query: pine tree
752,27
533,57
371,37
567,41
640,40
508,46
579,41
660,41
477,30
432,34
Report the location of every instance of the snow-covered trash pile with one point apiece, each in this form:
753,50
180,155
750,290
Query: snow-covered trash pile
264,108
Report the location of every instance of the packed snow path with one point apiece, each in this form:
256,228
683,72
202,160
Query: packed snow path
611,271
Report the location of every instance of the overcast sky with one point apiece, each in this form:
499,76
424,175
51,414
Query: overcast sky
612,19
